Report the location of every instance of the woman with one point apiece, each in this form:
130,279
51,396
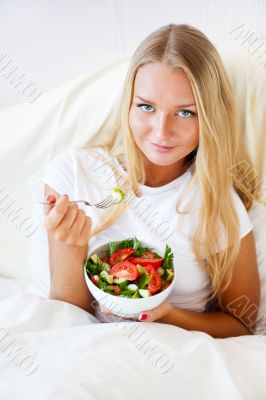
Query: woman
172,143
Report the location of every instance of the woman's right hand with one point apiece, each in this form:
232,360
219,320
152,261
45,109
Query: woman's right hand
65,222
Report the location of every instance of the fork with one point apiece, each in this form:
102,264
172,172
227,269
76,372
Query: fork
102,204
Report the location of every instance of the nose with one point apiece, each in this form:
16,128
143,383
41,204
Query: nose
164,129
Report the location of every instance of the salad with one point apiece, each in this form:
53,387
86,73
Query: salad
130,270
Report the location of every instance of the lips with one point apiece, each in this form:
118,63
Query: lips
162,147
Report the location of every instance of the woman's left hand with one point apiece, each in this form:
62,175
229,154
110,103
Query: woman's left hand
156,314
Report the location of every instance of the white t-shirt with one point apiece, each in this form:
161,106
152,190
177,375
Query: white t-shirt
152,218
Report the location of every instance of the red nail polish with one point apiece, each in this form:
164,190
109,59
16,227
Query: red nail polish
143,317
50,198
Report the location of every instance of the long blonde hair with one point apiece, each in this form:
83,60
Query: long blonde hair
220,162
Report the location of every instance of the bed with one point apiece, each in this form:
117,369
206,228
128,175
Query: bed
50,349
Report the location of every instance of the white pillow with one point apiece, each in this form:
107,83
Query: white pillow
39,270
32,134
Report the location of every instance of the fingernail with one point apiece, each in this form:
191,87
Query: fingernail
143,317
50,198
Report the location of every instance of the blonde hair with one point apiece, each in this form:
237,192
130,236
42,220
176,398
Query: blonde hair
220,162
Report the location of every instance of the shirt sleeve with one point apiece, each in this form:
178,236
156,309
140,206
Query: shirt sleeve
59,173
244,220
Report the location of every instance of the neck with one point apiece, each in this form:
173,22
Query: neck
158,175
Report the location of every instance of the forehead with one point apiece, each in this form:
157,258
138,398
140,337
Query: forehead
156,81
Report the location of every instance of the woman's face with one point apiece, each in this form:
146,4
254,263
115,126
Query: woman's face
163,113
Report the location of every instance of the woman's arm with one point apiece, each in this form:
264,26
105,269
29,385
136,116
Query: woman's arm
240,302
67,260
216,324
67,279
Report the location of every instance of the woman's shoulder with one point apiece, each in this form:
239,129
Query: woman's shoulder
62,161
59,172
95,159
99,165
73,156
74,164
93,153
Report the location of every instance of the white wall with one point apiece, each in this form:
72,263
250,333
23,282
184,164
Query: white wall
53,41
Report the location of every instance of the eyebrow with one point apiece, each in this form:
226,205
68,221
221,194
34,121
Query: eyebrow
152,103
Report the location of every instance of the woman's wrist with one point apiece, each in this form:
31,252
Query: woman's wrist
169,316
68,283
68,267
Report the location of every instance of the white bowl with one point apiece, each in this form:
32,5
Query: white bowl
123,306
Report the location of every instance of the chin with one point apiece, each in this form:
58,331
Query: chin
163,159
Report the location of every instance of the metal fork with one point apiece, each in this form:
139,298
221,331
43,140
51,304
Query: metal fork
102,204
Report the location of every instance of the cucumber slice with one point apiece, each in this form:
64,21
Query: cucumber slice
104,274
95,258
144,292
118,195
132,287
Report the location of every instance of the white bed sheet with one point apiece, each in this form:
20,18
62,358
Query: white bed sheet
59,351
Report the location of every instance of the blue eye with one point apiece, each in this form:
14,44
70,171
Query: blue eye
145,105
191,113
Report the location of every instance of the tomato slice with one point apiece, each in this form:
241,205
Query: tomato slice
147,259
155,283
120,255
150,269
125,269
